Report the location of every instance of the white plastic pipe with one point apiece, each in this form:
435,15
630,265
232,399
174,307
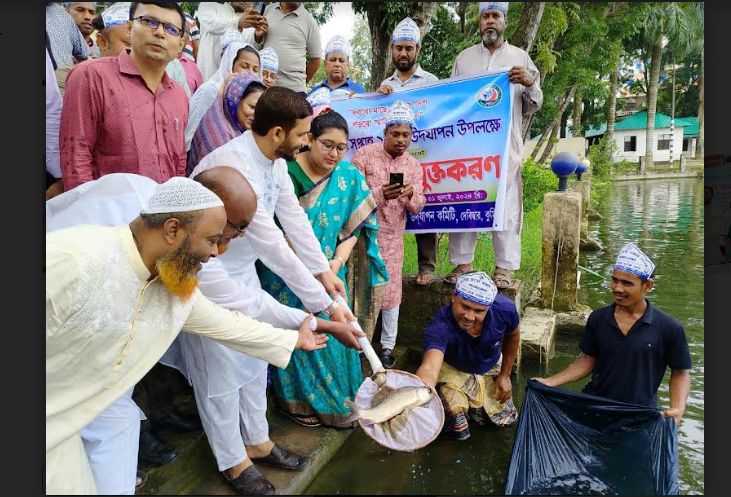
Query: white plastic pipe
370,354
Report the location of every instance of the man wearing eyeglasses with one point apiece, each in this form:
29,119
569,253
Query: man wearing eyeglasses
124,114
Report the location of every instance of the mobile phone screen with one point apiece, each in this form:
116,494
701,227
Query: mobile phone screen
396,179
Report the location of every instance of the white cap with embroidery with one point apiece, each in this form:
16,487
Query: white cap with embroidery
476,287
337,44
400,113
181,194
116,14
501,6
269,60
633,260
406,30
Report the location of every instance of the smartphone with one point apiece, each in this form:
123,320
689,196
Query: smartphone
259,7
396,179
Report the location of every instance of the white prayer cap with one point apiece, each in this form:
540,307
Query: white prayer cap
116,14
229,36
269,60
400,113
476,287
68,4
337,44
406,30
501,6
635,261
321,96
179,194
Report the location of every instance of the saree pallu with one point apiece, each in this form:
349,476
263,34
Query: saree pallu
339,206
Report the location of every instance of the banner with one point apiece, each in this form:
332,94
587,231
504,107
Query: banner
461,139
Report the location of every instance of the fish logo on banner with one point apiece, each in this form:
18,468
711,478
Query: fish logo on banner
489,95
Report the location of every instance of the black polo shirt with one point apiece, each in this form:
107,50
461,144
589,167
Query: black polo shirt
630,368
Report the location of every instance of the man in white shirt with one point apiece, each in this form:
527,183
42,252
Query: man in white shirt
116,297
215,19
231,388
492,53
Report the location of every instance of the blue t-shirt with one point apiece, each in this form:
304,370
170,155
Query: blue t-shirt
463,351
349,85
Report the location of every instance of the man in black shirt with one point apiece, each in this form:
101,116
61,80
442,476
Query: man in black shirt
628,345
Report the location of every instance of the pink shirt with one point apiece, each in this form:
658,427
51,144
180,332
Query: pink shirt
376,164
192,74
112,123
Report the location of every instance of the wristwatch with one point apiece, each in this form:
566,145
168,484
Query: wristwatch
331,308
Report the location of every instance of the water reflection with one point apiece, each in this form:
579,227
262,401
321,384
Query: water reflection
667,219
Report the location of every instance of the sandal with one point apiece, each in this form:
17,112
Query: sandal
308,421
453,276
503,278
424,278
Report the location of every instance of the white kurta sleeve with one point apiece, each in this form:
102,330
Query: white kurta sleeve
532,95
269,244
241,333
214,20
297,226
200,102
216,284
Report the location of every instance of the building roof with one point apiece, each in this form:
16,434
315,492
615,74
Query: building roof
639,121
591,132
691,126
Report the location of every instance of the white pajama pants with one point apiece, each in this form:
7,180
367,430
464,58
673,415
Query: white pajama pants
234,419
111,443
389,327
505,243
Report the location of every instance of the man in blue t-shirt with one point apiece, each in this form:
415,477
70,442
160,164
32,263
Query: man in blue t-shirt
469,351
627,346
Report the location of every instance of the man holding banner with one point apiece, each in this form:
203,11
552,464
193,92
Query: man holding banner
493,53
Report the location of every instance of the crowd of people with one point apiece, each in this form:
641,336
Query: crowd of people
194,184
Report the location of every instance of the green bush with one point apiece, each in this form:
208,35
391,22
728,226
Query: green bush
600,156
537,181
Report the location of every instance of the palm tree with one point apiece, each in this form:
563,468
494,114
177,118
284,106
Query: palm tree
671,22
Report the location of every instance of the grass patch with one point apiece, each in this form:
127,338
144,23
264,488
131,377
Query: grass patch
530,266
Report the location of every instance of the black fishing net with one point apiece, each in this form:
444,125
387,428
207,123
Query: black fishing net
571,443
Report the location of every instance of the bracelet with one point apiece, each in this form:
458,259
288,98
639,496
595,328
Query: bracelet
331,308
342,262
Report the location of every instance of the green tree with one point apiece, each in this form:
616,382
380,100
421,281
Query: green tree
360,43
321,11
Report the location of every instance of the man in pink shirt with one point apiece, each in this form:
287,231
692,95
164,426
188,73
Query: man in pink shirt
394,194
124,114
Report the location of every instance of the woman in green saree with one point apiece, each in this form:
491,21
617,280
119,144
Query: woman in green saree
335,196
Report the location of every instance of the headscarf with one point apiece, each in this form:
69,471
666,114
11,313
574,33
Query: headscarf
635,261
220,124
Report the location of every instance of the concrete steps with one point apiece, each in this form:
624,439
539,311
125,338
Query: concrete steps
537,332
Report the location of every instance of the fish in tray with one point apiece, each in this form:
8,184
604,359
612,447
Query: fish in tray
388,403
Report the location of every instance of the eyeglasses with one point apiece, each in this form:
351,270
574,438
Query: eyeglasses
239,229
152,23
328,146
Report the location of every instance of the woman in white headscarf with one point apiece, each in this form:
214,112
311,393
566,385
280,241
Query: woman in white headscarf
238,57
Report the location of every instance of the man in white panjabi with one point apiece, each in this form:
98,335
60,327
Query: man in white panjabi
110,440
493,53
231,388
116,297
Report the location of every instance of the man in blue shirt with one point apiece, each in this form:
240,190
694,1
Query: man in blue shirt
337,65
627,346
469,350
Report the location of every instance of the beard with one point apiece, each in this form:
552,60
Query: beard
287,153
178,271
404,66
490,36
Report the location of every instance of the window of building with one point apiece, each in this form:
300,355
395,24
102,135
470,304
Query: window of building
630,144
663,143
685,144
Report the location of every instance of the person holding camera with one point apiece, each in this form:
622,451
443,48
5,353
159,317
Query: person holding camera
394,176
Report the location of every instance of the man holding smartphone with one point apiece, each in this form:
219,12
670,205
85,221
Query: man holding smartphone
394,176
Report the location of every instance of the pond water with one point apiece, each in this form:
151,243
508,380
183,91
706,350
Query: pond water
666,217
